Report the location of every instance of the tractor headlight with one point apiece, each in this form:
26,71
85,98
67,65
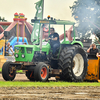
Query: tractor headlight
23,56
16,55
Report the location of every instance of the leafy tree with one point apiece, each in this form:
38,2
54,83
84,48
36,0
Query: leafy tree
3,20
87,16
0,18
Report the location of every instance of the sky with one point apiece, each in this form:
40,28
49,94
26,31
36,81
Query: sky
58,9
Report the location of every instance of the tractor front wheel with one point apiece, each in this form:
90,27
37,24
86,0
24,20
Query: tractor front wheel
41,72
8,72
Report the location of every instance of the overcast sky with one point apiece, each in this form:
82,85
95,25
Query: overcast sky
58,9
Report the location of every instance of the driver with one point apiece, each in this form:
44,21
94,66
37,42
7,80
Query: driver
54,41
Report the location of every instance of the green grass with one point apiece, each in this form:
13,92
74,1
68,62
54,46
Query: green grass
20,71
47,84
42,84
0,69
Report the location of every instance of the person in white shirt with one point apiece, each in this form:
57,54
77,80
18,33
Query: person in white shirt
9,50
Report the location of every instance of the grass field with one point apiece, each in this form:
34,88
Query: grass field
20,71
47,84
42,84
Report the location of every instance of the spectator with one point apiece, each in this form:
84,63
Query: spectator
93,50
9,49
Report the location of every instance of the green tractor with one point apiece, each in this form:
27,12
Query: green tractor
98,47
70,63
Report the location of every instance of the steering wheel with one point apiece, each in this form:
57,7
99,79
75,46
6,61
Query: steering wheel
48,40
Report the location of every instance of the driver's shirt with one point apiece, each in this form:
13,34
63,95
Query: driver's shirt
93,52
53,36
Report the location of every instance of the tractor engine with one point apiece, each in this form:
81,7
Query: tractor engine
39,56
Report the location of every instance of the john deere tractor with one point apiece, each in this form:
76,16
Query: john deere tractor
70,63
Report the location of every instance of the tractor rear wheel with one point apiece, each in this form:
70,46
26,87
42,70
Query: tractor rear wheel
8,72
73,62
41,72
30,75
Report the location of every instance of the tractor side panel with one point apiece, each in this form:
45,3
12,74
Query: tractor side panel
93,70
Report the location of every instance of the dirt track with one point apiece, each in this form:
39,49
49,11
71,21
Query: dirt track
47,93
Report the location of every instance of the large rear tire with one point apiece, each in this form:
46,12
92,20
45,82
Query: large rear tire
30,75
73,62
8,72
41,72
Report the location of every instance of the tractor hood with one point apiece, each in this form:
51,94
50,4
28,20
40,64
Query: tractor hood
26,52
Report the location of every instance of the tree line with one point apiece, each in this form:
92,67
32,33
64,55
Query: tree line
87,16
